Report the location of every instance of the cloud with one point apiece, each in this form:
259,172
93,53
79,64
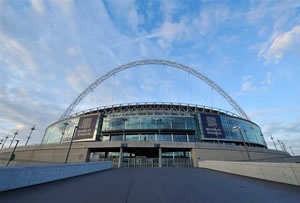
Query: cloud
16,56
66,6
280,43
38,5
169,32
80,77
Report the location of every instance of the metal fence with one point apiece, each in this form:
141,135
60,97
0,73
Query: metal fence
140,163
148,162
177,162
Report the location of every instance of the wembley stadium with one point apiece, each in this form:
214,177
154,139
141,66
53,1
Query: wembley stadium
150,134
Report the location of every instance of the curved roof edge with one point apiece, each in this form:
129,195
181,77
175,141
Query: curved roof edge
172,106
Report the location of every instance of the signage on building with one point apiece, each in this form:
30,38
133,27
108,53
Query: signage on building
212,126
87,127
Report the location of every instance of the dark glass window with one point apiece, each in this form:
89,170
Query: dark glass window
192,138
164,137
133,137
150,137
116,138
179,138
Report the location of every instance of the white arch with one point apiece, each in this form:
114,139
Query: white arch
209,82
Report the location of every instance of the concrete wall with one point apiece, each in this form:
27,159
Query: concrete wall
56,153
233,153
21,176
279,172
45,154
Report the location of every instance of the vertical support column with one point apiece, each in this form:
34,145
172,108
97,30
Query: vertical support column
159,158
120,158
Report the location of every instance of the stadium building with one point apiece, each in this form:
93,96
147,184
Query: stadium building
150,134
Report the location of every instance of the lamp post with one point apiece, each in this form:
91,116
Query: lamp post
240,130
124,120
12,156
32,129
63,132
274,142
75,130
15,134
4,141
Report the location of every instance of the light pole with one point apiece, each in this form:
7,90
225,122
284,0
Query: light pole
124,120
274,142
4,141
12,156
63,132
240,130
32,129
75,130
15,134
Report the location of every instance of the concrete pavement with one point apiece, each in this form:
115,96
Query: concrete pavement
156,185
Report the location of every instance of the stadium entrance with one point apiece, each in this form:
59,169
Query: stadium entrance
129,157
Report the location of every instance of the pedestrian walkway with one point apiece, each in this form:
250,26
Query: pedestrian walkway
156,185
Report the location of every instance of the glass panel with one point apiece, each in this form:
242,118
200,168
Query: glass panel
150,137
113,154
116,138
149,122
179,138
54,133
105,138
192,138
164,137
133,137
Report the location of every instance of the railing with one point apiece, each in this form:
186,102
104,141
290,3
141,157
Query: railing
114,161
177,162
148,162
140,163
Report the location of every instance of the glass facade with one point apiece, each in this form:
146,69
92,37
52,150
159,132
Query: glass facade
165,128
148,122
60,132
251,132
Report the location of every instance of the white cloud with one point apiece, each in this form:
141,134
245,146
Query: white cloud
279,43
38,5
66,6
15,55
80,77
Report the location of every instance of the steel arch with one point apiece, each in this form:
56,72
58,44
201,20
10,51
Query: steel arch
209,82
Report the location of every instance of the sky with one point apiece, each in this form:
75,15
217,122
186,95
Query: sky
50,51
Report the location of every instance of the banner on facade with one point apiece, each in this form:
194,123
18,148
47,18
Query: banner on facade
212,126
87,127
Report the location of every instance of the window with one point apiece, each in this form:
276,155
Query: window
192,138
150,137
179,138
164,137
116,138
132,137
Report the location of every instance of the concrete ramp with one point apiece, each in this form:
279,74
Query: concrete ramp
156,185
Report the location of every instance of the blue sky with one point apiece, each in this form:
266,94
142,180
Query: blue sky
51,50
